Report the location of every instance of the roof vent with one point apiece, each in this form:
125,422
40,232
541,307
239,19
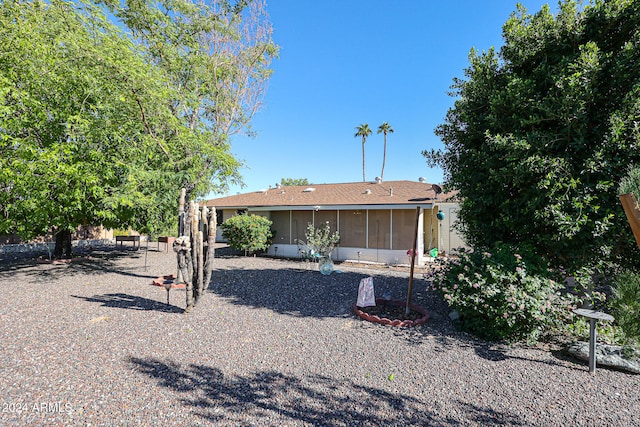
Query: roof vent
378,180
264,191
308,190
278,185
367,191
421,179
390,191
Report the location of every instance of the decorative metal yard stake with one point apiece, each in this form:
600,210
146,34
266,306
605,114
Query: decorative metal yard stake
167,285
413,261
593,317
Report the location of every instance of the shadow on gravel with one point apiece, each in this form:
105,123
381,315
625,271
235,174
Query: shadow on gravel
131,302
96,264
277,399
301,292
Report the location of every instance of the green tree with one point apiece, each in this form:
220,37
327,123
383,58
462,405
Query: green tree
104,127
73,148
248,233
363,131
542,131
292,181
216,56
384,129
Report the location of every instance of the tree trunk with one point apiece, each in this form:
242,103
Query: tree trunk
363,174
384,156
63,245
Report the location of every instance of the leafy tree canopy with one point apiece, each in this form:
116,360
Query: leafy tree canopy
101,125
72,146
294,181
542,131
216,55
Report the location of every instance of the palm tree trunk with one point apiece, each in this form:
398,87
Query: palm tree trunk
384,156
364,179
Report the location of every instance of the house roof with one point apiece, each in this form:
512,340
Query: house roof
354,193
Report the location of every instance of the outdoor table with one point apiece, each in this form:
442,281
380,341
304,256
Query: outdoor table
167,240
593,317
134,239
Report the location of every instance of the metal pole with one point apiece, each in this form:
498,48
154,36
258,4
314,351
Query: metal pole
592,346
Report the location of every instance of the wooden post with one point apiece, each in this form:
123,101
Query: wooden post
188,233
200,266
413,260
204,219
631,210
195,228
211,241
182,246
183,195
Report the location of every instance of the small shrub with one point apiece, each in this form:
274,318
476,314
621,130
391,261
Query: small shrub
630,183
321,240
625,304
248,233
509,293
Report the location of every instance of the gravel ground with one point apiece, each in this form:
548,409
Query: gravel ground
271,343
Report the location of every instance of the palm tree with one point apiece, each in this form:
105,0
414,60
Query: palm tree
363,131
384,128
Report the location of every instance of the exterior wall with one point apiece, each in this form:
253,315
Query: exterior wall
89,232
380,235
46,248
449,239
365,232
221,216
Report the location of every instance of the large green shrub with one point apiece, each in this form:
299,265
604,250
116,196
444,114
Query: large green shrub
248,233
541,131
509,293
625,304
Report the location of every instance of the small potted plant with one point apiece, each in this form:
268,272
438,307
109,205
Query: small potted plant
629,191
322,241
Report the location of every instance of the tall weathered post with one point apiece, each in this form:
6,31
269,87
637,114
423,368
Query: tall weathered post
211,240
413,261
195,255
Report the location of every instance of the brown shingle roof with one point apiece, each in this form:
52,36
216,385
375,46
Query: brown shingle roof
354,193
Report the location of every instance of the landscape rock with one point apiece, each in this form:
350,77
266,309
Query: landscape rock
607,355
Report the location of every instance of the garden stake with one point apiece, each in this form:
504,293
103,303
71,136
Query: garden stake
413,260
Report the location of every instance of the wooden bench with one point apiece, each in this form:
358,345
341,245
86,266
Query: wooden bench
134,239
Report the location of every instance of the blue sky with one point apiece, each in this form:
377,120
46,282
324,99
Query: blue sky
347,62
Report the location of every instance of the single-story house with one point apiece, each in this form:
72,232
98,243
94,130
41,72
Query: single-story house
376,220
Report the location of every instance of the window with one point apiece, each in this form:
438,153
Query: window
281,227
299,222
403,228
320,218
352,228
380,229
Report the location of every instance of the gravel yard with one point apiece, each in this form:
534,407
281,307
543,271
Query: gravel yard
271,343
